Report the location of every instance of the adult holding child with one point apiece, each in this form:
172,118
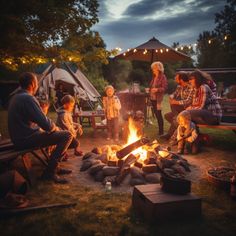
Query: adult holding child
29,127
157,90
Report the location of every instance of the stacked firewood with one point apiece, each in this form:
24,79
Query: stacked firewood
116,164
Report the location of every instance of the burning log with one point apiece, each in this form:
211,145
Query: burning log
128,149
138,164
112,163
119,178
152,168
120,163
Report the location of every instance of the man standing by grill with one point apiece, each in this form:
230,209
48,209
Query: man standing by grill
30,128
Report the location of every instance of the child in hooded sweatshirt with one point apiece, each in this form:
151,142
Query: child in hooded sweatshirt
112,106
65,122
187,134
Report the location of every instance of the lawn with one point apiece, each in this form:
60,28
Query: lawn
101,213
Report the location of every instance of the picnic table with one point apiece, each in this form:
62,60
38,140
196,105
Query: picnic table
91,118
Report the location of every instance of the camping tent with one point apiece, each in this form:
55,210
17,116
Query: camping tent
73,82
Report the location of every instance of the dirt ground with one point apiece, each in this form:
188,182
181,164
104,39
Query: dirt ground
208,157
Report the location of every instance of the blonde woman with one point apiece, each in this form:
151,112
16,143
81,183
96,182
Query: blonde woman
158,87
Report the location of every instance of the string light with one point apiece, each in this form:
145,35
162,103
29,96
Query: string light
225,38
167,50
54,60
209,41
161,51
135,50
70,59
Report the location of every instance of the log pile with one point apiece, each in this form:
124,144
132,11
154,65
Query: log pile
117,165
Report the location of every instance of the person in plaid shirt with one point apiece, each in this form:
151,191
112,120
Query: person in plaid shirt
179,100
205,108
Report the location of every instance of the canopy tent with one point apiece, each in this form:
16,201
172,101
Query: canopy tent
72,82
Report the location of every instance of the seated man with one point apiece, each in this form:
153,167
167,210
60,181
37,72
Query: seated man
23,113
179,100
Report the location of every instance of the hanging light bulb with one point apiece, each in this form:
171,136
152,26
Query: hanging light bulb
70,59
161,51
156,51
135,50
54,60
189,47
209,41
225,38
176,49
182,48
124,54
167,50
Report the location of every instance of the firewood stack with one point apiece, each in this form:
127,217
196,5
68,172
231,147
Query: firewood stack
118,165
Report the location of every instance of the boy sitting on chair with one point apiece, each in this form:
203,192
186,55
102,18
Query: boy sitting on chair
65,122
187,134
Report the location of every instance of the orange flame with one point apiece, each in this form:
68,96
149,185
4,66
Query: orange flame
133,137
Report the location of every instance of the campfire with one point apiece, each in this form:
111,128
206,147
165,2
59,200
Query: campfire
139,161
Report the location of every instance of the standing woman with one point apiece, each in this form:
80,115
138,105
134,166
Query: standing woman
158,87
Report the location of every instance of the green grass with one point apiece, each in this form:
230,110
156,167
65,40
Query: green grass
100,213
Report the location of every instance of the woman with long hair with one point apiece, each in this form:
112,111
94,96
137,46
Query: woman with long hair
205,108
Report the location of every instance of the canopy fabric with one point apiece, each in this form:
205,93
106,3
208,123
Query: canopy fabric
153,50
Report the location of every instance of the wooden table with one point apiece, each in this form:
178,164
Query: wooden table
90,117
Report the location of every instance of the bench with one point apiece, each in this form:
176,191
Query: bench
8,153
229,114
222,125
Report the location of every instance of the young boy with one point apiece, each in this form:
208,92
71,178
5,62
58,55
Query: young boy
44,104
112,106
65,122
187,134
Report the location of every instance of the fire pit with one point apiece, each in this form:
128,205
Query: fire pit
139,161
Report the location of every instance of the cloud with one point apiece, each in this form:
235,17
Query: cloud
168,20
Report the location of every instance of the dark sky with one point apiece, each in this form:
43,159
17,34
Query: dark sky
128,23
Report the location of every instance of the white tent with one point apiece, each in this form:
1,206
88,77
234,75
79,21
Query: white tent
77,81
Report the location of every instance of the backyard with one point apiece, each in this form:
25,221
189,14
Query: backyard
110,213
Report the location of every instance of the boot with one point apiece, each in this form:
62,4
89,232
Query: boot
160,122
50,173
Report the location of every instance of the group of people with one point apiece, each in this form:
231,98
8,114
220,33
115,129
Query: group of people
193,102
29,126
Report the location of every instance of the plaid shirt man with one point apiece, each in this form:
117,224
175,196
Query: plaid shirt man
184,95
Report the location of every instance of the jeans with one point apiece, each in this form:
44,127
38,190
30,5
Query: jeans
113,126
204,117
61,140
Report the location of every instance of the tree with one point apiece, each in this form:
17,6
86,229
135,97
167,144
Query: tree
218,48
33,30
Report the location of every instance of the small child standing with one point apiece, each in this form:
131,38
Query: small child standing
187,134
65,122
112,106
